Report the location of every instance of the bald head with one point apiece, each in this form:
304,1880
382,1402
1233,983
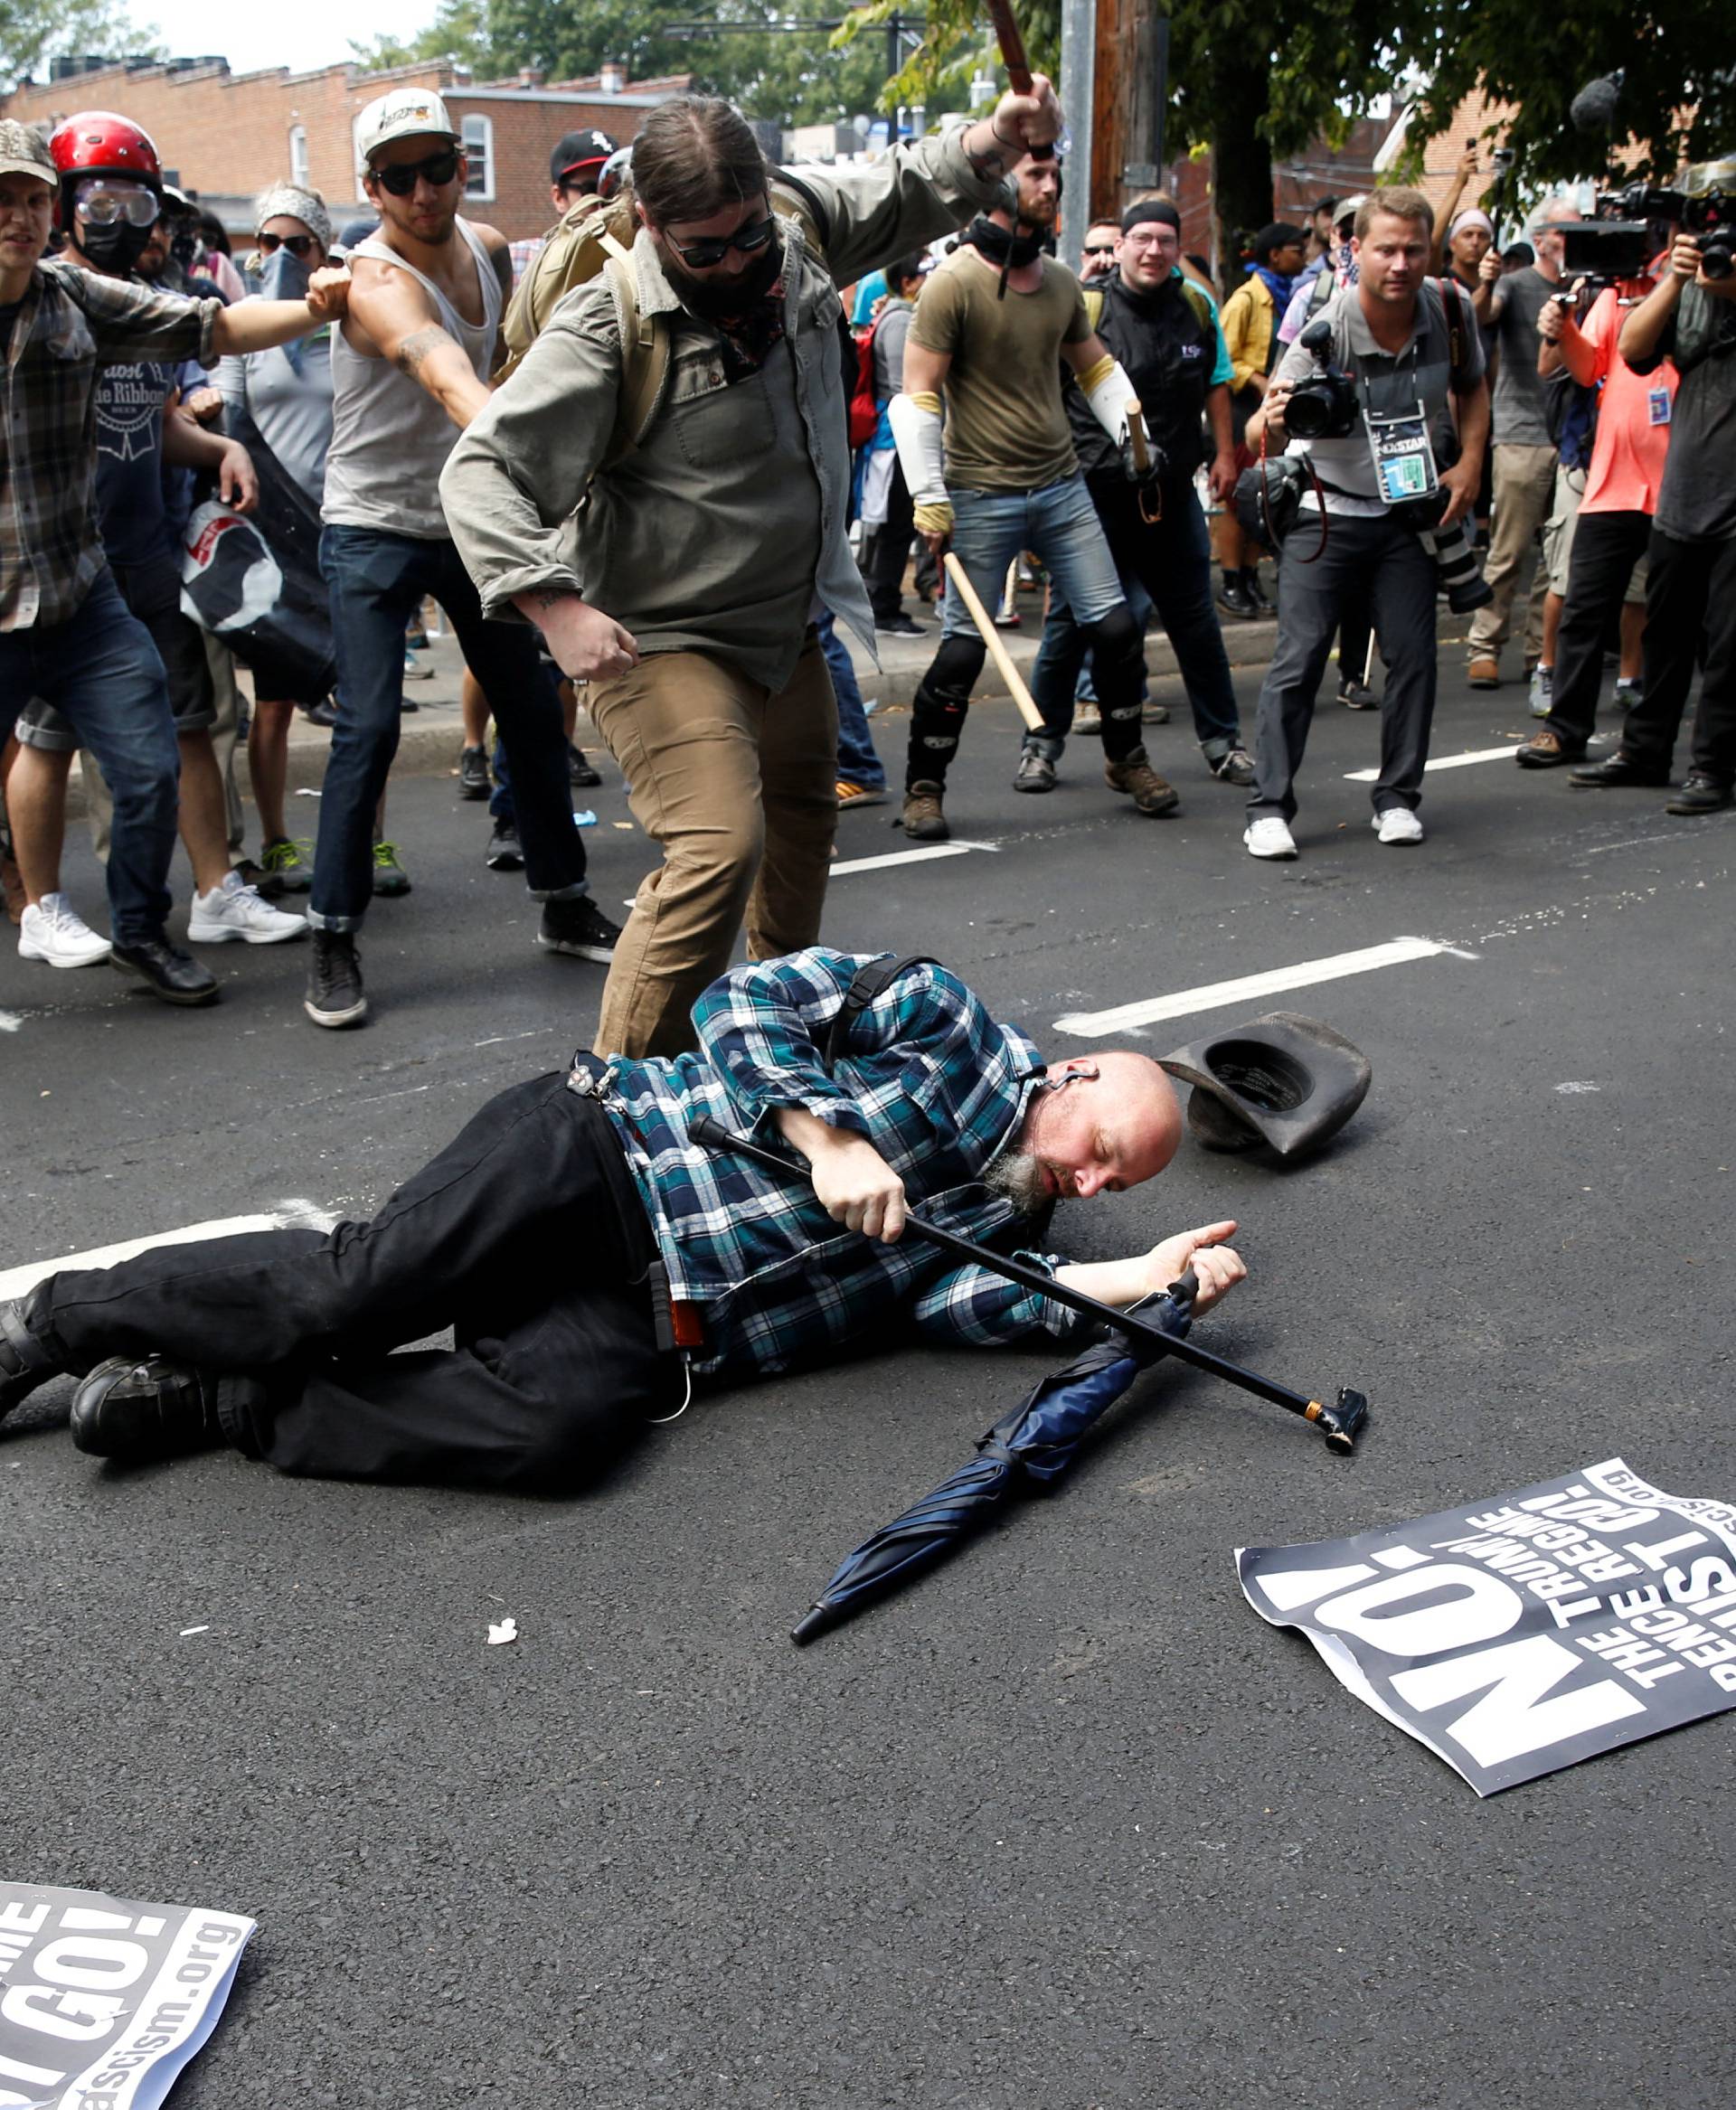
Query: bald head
1107,1121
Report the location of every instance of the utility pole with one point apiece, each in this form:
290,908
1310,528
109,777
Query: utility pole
1129,101
1078,72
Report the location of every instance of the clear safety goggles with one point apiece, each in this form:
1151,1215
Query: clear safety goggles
101,204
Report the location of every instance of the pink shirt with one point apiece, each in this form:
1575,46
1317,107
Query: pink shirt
1633,419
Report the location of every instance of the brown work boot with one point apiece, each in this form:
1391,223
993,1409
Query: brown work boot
1134,776
1484,671
1546,750
924,820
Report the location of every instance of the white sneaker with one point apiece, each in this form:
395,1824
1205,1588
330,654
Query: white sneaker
1543,690
1268,837
53,932
235,910
1398,823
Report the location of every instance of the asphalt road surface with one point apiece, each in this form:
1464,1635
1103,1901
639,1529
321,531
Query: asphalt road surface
1067,1826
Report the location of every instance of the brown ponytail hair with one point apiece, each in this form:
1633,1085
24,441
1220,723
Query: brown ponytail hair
695,155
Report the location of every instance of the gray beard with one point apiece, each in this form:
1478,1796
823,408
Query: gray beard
1017,1176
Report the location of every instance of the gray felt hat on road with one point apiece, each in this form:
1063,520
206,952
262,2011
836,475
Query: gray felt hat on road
1283,1081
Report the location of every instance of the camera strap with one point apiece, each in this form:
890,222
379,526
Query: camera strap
1398,444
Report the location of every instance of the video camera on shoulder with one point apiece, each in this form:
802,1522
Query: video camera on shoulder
1632,224
1323,406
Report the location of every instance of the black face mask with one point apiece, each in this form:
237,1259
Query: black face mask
117,248
723,299
1000,246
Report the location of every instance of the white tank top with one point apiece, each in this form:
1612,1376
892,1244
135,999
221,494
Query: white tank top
389,438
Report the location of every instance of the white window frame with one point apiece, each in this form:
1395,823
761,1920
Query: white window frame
477,135
299,157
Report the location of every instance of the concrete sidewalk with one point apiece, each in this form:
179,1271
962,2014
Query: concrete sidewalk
432,732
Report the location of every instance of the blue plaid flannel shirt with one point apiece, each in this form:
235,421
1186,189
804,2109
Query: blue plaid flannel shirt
933,1082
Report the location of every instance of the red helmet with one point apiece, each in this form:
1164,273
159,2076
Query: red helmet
98,142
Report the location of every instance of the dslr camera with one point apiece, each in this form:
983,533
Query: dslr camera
1323,406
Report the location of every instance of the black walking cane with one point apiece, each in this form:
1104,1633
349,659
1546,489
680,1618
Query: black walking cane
1339,1423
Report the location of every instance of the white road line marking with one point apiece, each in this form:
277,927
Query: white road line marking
1245,988
1441,762
20,1281
922,856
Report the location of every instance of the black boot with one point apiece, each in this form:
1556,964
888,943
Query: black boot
167,971
24,1362
137,1407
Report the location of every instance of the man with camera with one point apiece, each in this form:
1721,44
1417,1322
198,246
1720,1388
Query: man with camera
1362,397
1691,582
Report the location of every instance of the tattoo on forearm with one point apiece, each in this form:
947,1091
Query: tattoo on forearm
413,351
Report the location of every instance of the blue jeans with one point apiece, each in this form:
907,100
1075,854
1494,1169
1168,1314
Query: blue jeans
101,672
377,581
1167,565
1059,523
857,761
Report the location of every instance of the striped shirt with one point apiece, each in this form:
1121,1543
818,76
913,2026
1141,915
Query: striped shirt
71,323
929,1078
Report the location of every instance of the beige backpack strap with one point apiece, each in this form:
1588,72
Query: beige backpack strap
644,357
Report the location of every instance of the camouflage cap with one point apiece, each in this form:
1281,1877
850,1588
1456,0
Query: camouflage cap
24,151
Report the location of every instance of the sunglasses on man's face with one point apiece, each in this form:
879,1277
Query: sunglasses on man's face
297,245
710,249
399,177
1099,248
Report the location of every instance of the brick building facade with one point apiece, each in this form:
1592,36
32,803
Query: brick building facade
228,135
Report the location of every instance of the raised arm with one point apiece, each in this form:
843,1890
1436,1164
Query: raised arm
256,325
393,315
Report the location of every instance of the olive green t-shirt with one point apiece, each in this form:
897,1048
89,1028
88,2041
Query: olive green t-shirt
1006,426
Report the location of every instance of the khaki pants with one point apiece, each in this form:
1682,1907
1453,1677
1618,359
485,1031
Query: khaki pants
739,787
1524,494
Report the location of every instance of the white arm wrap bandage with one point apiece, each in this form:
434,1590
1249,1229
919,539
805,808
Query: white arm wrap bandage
916,427
1108,391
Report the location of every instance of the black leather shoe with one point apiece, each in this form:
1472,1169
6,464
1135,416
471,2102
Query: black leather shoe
580,771
169,973
1701,794
1256,592
1614,772
1234,597
137,1408
24,1362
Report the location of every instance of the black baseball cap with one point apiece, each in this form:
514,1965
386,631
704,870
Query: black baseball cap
580,150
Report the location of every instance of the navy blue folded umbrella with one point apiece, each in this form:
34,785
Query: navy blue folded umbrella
1028,1448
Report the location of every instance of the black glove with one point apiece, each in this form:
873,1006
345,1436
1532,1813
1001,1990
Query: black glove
1148,479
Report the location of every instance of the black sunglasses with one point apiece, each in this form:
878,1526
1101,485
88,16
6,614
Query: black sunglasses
1099,248
399,176
713,248
297,245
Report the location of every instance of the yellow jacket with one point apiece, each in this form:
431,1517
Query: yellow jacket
1248,328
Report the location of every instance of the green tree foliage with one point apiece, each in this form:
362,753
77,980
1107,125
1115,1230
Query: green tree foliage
32,32
1256,79
793,76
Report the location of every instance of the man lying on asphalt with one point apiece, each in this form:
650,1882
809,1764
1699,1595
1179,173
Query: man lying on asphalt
553,1233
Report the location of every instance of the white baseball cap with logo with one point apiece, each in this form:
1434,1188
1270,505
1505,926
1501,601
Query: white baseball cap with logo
402,113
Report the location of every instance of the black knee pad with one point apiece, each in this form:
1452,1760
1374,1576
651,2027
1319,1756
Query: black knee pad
939,706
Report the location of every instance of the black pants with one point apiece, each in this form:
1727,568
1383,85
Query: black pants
526,1234
891,548
1376,564
1690,589
1606,547
1172,559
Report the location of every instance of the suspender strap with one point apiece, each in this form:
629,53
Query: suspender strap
868,983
